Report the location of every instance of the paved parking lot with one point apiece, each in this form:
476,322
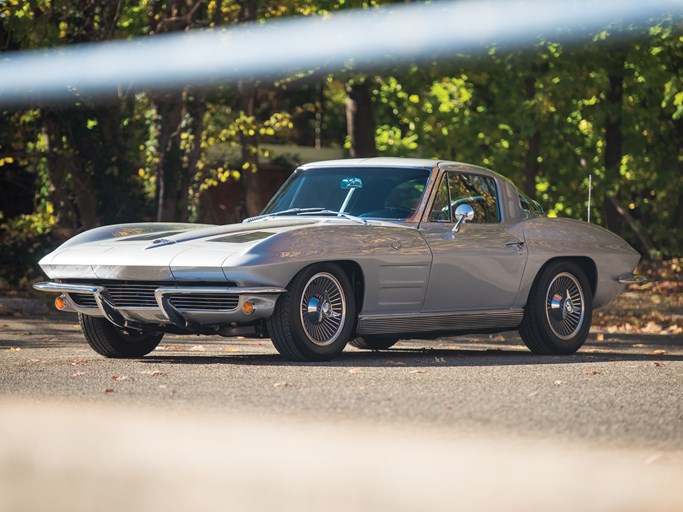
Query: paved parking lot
477,421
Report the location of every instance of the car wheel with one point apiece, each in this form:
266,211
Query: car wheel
314,319
374,342
111,341
559,311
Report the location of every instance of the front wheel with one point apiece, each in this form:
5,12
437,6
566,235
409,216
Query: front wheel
559,311
314,319
111,341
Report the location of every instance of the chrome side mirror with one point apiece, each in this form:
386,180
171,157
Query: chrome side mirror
463,213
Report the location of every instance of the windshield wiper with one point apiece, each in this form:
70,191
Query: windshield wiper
322,211
291,211
307,211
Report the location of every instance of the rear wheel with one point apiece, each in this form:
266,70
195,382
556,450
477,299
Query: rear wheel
314,319
559,311
111,341
374,342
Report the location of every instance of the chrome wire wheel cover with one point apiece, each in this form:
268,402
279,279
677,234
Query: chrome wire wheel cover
323,309
565,306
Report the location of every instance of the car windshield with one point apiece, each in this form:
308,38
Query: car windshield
379,193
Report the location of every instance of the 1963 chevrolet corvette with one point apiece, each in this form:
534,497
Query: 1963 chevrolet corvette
365,251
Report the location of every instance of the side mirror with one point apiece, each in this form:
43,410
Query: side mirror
463,213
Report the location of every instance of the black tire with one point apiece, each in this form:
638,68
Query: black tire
559,310
314,319
374,342
111,341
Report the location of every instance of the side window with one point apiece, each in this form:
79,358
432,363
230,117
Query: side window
477,191
529,205
440,210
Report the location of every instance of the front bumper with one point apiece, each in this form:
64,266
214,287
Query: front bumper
165,312
632,279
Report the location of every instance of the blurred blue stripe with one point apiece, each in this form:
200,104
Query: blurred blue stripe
365,38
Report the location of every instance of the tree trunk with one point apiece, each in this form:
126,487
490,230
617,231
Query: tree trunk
173,174
196,109
531,166
249,179
169,107
319,102
61,166
360,120
614,141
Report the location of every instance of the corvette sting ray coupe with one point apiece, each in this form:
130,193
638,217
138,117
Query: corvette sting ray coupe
362,251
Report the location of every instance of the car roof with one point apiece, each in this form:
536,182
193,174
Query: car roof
394,162
377,162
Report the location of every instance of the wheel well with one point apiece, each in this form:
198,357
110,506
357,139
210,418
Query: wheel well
355,275
586,264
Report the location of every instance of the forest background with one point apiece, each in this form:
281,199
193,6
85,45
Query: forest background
547,117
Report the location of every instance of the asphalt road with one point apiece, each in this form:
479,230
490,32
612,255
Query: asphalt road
477,421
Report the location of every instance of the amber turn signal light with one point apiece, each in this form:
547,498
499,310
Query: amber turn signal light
248,308
60,302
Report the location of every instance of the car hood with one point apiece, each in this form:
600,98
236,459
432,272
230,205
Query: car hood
164,251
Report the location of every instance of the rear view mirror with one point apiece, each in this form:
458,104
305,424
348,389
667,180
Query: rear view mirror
349,183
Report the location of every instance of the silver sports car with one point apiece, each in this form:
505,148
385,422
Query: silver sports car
365,251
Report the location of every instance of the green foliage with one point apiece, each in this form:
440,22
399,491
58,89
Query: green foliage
24,239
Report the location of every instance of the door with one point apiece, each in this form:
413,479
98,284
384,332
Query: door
480,266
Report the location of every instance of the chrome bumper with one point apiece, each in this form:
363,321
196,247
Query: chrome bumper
263,299
632,279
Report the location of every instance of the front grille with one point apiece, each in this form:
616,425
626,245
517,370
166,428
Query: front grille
140,294
133,295
205,301
86,300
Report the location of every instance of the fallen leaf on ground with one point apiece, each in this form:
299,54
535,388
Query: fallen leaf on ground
282,385
652,327
107,390
658,352
658,364
79,362
600,337
14,349
121,377
591,372
560,382
418,371
439,360
153,373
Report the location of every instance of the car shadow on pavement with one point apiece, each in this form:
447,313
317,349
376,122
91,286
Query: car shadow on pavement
414,358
